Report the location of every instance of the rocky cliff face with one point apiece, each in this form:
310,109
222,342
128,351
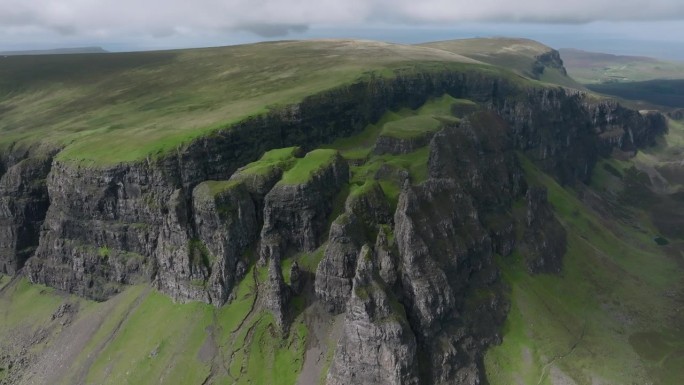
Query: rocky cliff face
377,344
23,203
550,59
189,221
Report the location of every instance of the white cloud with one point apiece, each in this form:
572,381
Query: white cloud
272,17
160,24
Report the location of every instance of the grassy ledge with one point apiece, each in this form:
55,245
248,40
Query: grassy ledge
283,158
212,188
308,166
411,127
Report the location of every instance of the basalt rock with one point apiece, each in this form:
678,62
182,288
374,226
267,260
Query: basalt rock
24,201
397,146
369,204
387,258
335,272
226,225
625,129
544,240
550,59
377,345
295,215
277,293
296,279
366,209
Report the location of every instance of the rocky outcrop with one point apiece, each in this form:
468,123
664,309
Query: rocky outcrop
366,208
625,129
335,272
295,218
23,203
377,345
479,155
226,225
396,146
550,59
544,241
296,213
443,247
369,204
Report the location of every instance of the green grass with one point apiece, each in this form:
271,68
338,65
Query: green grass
26,305
212,188
4,279
594,322
142,336
124,107
282,158
359,146
308,166
159,340
275,361
517,55
411,127
441,105
309,261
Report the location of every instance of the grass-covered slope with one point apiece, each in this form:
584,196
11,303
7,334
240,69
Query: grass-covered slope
593,67
523,56
126,106
643,82
613,315
142,337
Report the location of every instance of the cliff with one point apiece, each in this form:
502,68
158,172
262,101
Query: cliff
190,221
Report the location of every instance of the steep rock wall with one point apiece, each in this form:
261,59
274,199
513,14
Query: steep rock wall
113,225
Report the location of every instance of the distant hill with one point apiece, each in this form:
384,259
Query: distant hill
666,92
526,57
57,51
592,67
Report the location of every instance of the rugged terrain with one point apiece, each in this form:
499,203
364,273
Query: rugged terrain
381,214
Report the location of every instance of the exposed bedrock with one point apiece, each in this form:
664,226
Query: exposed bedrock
335,272
23,203
426,266
365,210
111,225
295,219
545,240
296,213
377,344
397,146
226,225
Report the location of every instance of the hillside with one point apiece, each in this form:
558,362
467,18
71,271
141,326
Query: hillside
526,57
108,108
593,67
334,212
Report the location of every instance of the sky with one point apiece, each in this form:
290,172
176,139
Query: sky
641,27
